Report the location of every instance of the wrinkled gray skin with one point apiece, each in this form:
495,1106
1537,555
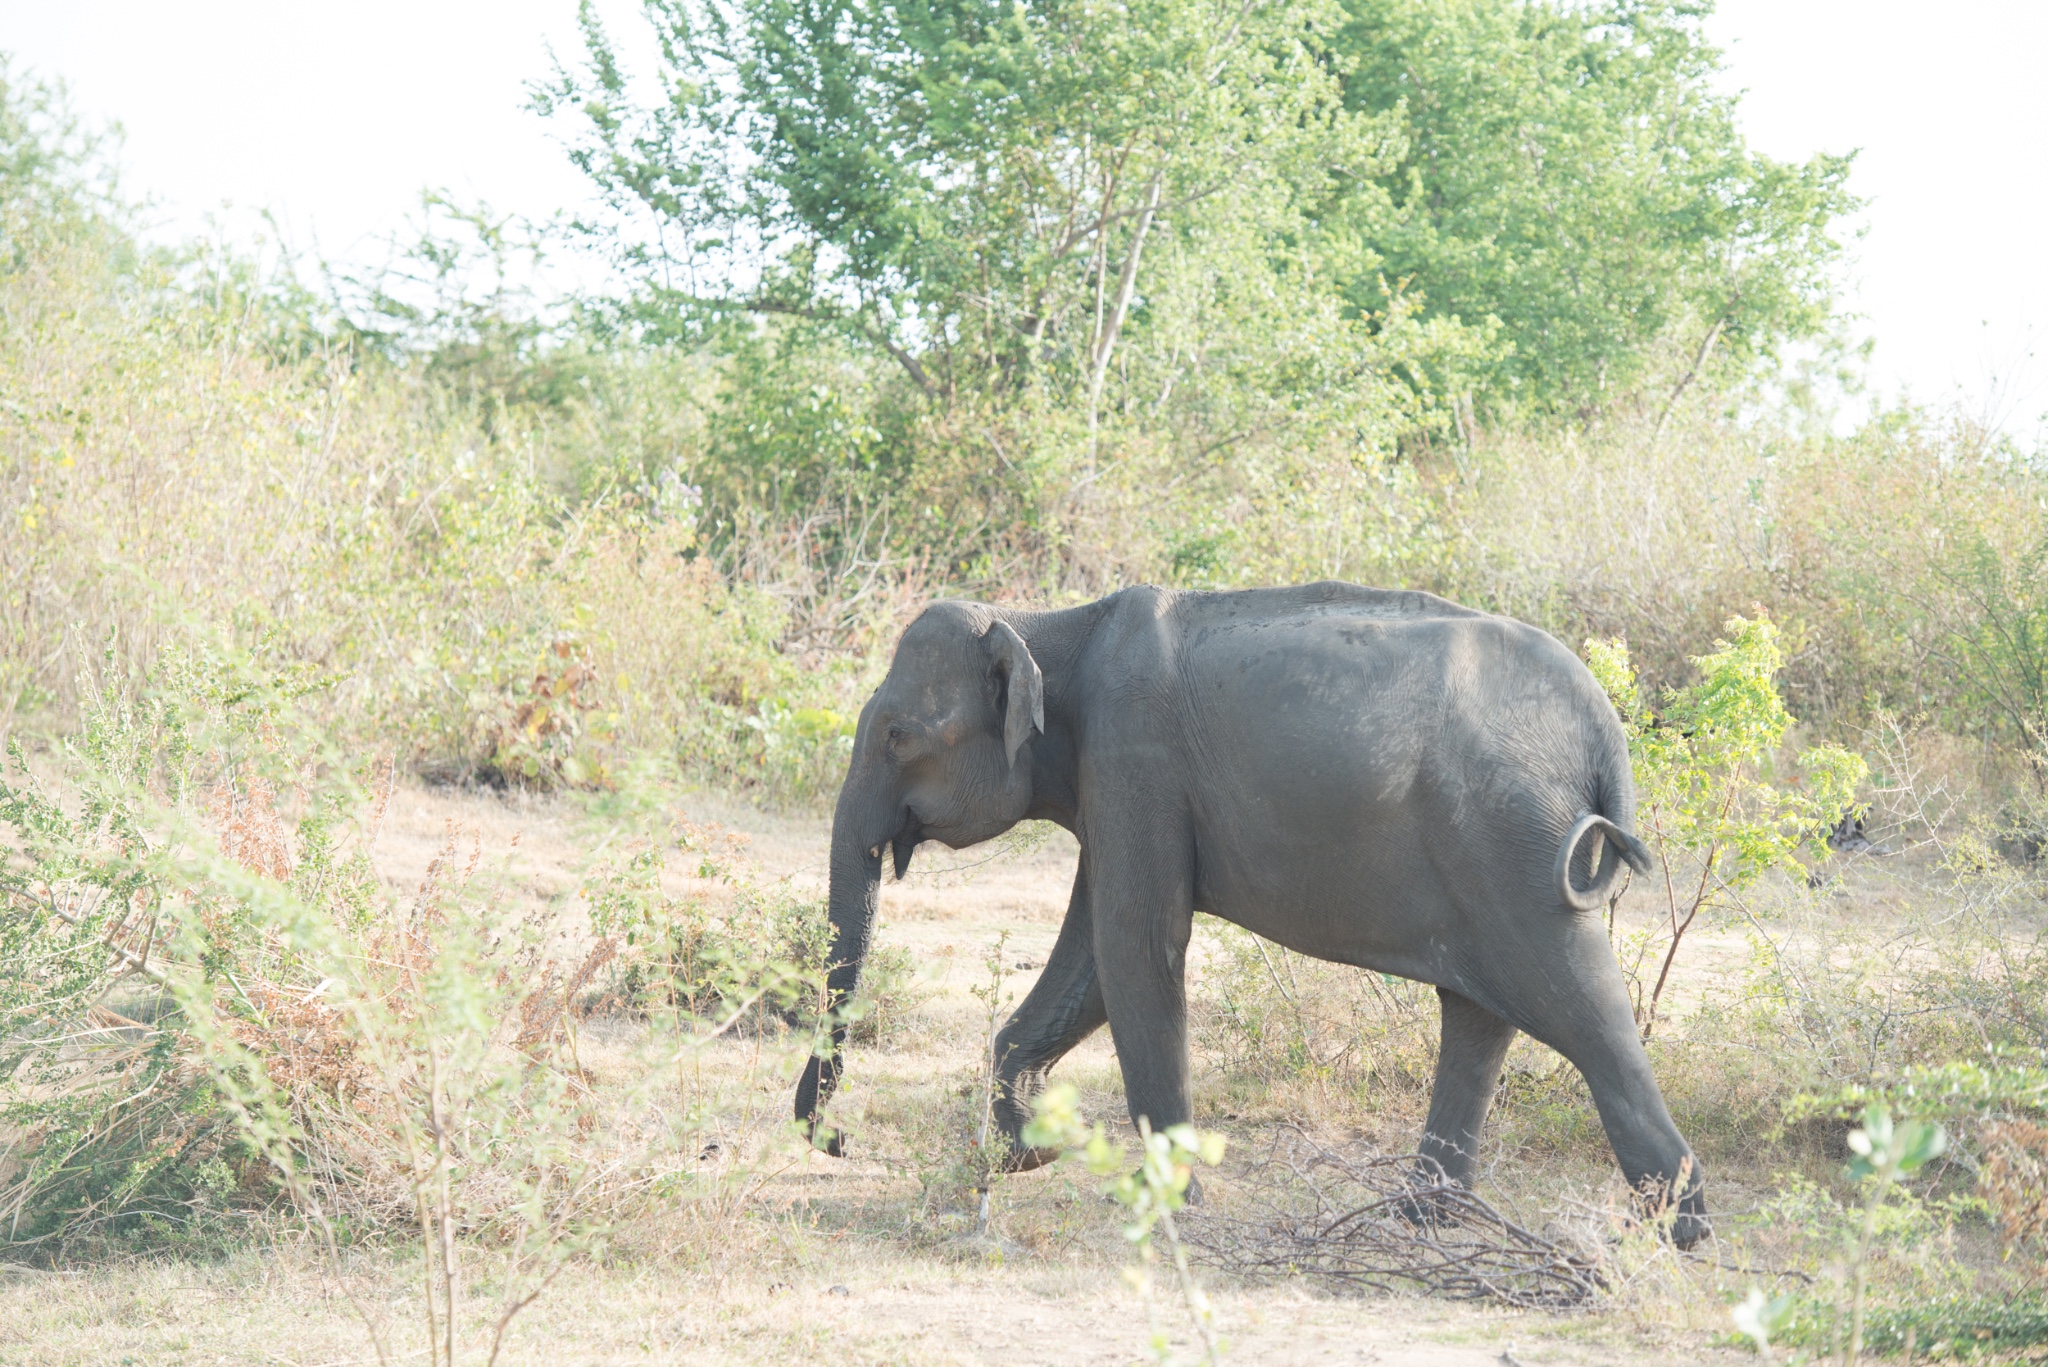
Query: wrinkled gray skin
1372,777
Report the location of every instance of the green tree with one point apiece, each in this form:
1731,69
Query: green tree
1571,182
1118,215
57,176
1191,268
971,186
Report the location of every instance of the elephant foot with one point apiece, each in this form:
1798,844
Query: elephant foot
1683,1221
1691,1227
1425,1206
1023,1158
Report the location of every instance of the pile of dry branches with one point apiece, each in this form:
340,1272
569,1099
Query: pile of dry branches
1382,1222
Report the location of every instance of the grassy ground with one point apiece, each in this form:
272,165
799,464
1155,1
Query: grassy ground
872,1258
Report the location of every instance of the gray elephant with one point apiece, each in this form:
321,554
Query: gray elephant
1373,777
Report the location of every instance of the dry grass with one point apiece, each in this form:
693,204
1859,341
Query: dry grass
740,1262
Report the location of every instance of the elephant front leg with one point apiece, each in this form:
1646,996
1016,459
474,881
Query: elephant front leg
1063,1008
1144,914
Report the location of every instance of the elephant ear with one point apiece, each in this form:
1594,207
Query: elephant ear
1024,687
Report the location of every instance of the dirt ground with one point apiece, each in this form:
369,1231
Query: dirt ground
259,1311
813,1283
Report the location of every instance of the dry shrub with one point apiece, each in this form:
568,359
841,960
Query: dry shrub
1286,1031
1905,563
530,737
421,557
1615,530
249,827
698,930
370,1067
2014,1179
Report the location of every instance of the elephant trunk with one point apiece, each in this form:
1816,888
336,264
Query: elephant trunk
853,894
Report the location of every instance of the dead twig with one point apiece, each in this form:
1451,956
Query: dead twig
1366,1221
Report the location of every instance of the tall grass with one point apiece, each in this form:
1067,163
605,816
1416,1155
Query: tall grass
440,567
519,552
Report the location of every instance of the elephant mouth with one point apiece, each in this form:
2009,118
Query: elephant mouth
906,840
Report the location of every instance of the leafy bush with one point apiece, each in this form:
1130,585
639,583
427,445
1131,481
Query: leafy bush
1704,788
702,951
110,1123
1961,1327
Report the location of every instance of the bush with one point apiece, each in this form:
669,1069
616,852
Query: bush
705,951
1276,1021
222,1012
1705,792
111,1124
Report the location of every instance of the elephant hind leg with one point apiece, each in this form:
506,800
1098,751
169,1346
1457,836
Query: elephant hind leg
1475,1041
1063,1008
1570,996
1468,1061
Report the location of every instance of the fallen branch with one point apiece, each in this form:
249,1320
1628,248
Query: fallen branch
1383,1222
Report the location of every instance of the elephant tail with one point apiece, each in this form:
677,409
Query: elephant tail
1612,847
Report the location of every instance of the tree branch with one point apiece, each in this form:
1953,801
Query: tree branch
1126,285
910,363
1699,359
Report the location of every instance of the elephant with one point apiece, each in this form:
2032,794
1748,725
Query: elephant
1376,777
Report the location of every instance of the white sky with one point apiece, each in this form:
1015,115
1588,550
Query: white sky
1949,106
336,117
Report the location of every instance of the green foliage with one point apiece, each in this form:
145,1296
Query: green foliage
730,946
1757,1318
1961,1089
1151,1194
1704,778
1704,759
109,1128
57,177
1570,182
729,949
1998,642
1944,1327
1883,1153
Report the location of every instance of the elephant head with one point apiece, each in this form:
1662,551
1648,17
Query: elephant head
939,754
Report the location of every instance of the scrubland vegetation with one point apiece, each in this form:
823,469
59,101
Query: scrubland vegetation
394,668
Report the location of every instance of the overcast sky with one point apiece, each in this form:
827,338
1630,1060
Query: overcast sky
334,118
